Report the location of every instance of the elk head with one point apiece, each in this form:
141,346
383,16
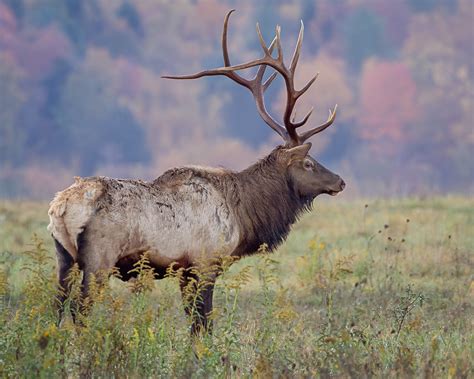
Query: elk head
307,176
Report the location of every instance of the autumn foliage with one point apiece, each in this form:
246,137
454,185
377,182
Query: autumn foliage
388,108
82,94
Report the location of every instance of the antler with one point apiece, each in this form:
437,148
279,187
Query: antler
288,131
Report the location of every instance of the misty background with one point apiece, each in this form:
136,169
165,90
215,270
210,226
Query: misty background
81,93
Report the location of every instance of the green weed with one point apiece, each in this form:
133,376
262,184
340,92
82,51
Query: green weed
362,288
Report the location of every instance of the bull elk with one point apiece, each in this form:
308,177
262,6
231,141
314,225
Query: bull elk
191,216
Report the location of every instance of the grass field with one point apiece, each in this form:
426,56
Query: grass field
379,288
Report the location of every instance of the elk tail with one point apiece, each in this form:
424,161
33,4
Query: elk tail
57,226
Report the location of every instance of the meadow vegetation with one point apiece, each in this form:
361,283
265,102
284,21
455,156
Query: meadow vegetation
361,288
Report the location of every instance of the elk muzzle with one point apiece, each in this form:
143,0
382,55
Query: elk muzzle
338,187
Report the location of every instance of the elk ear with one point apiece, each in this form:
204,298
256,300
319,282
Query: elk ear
299,152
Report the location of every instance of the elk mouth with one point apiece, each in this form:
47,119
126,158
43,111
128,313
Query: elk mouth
333,192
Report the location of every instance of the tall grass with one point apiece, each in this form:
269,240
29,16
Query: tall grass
379,289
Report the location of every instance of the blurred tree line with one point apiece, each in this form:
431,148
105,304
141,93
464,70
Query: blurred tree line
81,92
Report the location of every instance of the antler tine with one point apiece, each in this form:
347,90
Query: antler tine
278,39
232,75
225,53
262,42
296,54
304,120
320,128
269,81
306,87
263,67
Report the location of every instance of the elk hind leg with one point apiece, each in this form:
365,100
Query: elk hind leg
65,263
95,266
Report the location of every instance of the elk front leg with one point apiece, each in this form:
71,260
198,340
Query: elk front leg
197,293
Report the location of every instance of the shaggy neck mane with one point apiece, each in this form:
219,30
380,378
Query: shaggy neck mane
266,204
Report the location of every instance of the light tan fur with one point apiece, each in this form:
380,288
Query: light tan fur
71,209
185,219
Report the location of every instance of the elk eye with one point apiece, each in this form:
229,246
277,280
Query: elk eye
308,165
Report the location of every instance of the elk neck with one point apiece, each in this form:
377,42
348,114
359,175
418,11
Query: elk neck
266,204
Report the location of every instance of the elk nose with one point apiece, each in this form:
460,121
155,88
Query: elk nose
342,184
